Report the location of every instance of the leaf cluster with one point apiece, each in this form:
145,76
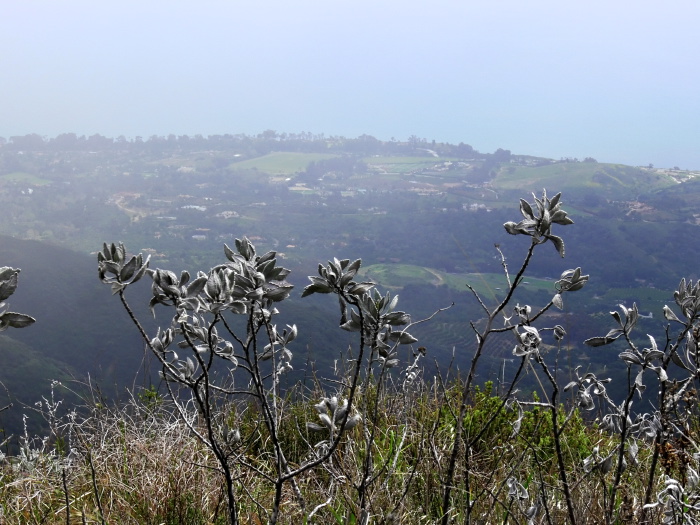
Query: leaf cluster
537,222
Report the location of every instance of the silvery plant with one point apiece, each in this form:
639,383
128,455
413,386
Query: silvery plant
364,310
538,223
224,353
331,415
673,368
382,331
207,356
663,374
9,278
201,353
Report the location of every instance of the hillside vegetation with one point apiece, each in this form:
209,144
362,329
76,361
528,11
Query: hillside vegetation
497,390
398,275
423,224
614,181
379,442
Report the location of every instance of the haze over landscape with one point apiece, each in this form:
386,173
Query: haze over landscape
349,262
616,81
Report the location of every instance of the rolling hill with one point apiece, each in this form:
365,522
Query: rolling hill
612,181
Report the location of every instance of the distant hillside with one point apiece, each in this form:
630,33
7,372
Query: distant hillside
423,217
80,328
679,202
613,181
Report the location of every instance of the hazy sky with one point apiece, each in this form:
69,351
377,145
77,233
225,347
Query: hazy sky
616,80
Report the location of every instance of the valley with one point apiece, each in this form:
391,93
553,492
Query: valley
423,217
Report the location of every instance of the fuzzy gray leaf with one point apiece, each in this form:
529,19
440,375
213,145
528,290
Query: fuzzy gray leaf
598,341
15,320
8,283
558,301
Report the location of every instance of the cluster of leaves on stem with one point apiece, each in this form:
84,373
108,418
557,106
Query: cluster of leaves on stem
247,285
331,413
537,222
115,270
364,309
675,366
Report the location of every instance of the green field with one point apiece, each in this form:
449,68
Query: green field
403,164
646,298
399,275
281,163
27,178
617,180
487,284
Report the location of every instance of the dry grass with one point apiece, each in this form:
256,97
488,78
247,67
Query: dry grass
140,464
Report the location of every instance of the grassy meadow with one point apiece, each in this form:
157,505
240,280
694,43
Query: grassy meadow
24,178
281,163
618,181
396,275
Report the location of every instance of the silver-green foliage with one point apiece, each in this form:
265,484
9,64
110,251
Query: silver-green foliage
538,220
206,355
674,365
8,285
201,343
